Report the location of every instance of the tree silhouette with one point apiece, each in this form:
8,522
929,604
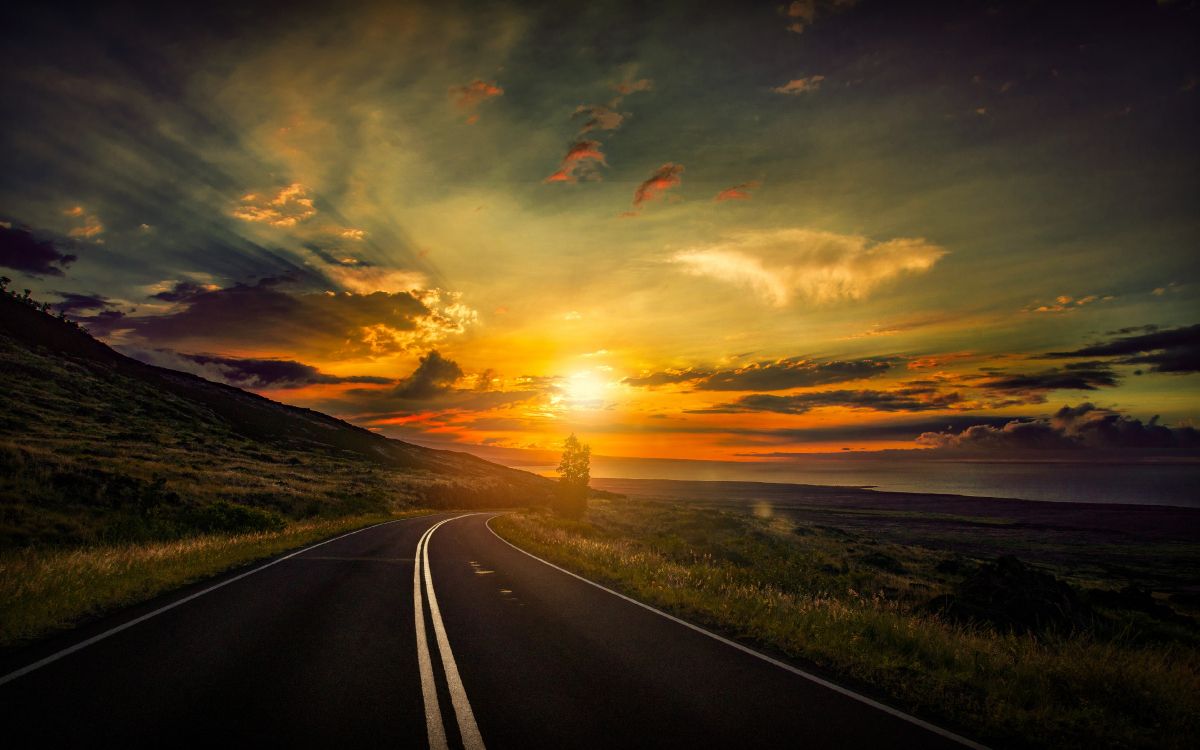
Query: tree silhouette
574,474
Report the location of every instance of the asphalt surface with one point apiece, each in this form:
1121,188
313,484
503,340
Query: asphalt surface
321,650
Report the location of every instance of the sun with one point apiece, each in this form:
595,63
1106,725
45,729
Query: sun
584,390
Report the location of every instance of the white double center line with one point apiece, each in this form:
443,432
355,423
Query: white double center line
458,695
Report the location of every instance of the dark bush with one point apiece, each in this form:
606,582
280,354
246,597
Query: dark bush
1013,597
224,516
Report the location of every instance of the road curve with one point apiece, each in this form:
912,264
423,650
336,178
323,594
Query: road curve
549,660
322,648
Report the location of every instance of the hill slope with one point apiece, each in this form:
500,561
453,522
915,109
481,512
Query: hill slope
95,446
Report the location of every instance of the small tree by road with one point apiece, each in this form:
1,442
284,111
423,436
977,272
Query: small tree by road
574,474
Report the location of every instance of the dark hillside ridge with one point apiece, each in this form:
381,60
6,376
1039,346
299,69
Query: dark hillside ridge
96,446
248,414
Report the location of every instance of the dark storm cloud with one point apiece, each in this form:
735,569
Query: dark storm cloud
273,373
666,377
1085,376
902,399
182,290
73,303
434,376
429,389
1081,428
21,251
792,373
251,373
1171,350
273,313
780,375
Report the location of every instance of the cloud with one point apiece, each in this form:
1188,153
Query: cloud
779,375
272,315
626,88
937,360
1174,350
582,160
430,393
598,117
663,179
666,377
434,375
901,399
798,86
19,250
362,278
800,14
779,265
792,373
254,374
76,303
287,208
1084,376
739,192
585,155
88,226
1084,427
470,96
182,290
1065,303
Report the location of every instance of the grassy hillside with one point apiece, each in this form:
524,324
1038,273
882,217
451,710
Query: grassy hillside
96,447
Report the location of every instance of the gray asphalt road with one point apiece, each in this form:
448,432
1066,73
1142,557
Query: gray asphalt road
322,648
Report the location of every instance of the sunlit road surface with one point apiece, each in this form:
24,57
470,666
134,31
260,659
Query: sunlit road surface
427,632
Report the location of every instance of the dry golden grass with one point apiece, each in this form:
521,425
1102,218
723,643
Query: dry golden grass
42,591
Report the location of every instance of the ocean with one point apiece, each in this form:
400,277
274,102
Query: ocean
1175,484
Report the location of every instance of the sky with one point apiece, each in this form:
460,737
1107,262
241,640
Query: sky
717,231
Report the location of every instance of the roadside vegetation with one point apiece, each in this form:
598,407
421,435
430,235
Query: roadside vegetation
1005,652
44,591
119,481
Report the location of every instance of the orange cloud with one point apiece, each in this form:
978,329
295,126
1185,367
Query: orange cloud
290,206
475,92
937,360
629,87
801,14
738,192
580,161
91,226
663,179
1066,303
800,86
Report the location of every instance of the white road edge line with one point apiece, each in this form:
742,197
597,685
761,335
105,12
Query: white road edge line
759,655
467,727
433,712
126,625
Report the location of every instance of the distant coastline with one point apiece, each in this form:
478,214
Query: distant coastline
1168,483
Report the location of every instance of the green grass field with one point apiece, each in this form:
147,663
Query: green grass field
854,608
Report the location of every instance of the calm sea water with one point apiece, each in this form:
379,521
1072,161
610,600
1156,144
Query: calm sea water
1139,484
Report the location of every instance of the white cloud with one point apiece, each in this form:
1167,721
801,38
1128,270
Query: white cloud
368,279
781,265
